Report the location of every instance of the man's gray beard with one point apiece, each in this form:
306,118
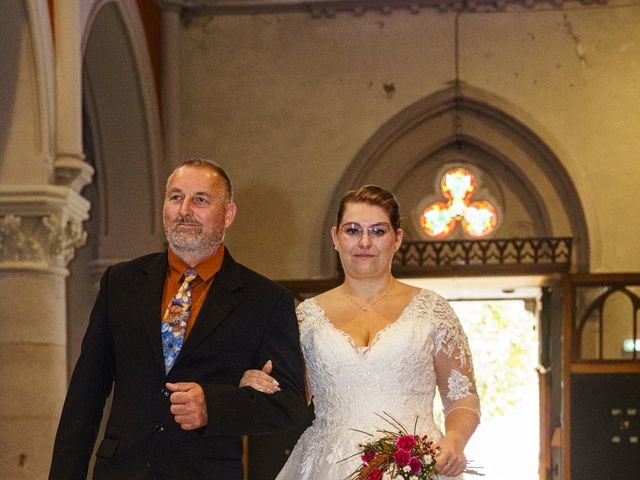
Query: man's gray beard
190,245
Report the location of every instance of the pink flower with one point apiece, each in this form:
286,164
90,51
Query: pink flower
376,474
416,466
368,456
406,442
402,457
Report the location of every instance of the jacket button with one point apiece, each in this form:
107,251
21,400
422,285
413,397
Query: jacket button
147,464
165,393
160,428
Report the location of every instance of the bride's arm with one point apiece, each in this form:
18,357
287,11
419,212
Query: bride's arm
459,426
454,373
261,381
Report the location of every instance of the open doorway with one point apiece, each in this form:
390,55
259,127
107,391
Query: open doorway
503,329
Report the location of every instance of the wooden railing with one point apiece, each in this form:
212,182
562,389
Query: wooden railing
480,257
514,256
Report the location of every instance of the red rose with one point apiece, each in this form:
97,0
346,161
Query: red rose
402,457
416,466
376,474
368,456
406,442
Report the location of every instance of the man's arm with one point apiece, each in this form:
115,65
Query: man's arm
232,410
89,387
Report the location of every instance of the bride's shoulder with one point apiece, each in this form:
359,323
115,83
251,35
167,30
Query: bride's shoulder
308,310
424,295
315,308
325,300
432,301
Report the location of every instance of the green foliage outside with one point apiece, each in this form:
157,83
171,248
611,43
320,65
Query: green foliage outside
503,340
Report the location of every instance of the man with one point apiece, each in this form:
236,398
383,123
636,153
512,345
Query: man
174,332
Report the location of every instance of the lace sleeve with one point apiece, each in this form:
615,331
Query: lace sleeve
304,313
452,361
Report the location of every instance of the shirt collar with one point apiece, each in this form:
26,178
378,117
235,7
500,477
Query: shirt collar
206,269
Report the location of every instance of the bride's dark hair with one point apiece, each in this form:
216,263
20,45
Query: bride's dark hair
372,195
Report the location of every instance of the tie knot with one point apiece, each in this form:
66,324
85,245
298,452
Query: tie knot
190,275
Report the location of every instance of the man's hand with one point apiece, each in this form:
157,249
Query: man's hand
188,405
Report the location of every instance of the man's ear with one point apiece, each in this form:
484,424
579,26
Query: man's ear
230,214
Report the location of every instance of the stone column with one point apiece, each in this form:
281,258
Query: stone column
70,167
40,228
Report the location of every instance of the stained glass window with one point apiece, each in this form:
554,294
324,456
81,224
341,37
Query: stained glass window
477,219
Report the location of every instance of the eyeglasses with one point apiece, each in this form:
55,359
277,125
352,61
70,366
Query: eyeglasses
375,230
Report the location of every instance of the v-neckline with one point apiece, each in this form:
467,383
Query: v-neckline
363,350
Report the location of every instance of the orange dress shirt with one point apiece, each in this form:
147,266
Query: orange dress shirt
207,271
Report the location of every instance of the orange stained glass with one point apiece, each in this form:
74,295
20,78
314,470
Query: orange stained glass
477,219
437,220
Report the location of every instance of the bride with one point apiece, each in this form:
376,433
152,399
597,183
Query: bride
375,345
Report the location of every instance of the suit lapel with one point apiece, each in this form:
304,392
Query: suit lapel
222,298
149,299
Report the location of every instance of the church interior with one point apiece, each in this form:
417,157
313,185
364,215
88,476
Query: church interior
535,104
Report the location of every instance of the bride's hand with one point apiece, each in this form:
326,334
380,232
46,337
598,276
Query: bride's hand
451,460
260,380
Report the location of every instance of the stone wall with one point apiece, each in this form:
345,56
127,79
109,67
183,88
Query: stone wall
286,101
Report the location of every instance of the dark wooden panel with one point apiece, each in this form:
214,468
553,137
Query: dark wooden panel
605,427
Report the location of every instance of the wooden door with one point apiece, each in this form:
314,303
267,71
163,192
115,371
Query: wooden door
601,377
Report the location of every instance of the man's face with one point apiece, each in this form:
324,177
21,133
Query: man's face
196,212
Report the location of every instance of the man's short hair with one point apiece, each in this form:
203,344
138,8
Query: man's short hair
211,165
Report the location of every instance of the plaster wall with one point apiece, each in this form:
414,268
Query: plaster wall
285,102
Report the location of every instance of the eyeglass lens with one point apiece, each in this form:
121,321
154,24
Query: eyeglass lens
353,229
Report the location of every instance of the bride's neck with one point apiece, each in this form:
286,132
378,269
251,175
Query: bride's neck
368,289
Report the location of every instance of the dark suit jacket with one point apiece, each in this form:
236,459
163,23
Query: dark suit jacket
244,321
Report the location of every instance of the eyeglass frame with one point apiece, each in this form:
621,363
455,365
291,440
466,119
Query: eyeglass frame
370,229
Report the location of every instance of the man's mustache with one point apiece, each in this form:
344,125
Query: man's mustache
187,220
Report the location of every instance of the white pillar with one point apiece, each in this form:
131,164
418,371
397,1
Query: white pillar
40,228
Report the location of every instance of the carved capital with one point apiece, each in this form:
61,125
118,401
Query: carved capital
50,239
40,227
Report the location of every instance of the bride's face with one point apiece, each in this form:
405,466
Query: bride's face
366,240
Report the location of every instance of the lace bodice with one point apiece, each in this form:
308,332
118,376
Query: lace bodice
397,374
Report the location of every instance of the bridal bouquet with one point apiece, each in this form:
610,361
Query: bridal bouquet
396,454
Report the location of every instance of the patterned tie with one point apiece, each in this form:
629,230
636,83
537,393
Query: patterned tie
175,320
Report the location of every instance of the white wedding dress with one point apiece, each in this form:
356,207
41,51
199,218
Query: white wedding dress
396,374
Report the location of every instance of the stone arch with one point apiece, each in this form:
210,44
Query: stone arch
122,141
465,124
26,100
123,129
